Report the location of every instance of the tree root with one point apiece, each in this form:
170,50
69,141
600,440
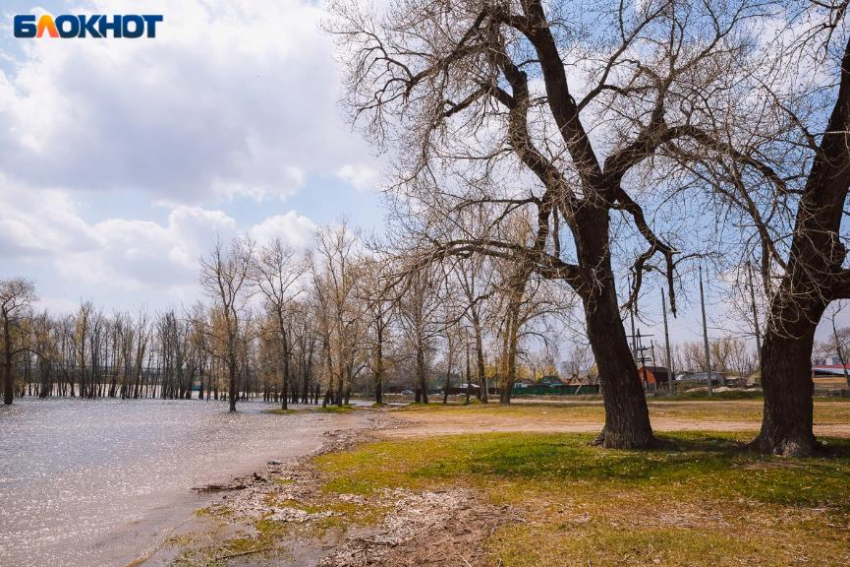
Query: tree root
609,440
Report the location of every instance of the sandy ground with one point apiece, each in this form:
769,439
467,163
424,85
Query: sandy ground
446,527
408,424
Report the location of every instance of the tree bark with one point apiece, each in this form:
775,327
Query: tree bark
8,382
787,422
483,393
285,346
627,423
233,394
379,368
422,386
813,277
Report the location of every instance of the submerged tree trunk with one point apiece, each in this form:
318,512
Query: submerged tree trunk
8,381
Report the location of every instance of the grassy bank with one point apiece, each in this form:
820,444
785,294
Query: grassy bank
700,501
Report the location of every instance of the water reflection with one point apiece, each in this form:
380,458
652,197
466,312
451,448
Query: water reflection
97,482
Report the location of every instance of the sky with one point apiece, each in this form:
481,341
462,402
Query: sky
121,161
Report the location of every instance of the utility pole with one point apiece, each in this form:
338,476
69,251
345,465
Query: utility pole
467,371
705,333
755,311
670,371
632,316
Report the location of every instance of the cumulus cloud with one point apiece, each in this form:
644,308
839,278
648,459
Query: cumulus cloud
156,260
231,99
362,177
292,229
233,104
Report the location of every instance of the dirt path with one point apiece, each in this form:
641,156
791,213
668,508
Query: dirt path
422,423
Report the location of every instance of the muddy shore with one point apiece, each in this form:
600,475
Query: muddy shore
280,516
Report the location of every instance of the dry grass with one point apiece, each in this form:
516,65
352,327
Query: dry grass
831,418
700,502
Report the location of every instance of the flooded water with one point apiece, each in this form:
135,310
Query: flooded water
99,483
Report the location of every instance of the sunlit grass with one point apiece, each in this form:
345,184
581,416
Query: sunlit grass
826,411
701,500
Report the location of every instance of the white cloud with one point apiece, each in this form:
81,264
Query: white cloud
362,177
230,99
232,102
292,228
126,254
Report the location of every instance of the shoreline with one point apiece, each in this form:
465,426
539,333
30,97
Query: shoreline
239,498
110,487
284,513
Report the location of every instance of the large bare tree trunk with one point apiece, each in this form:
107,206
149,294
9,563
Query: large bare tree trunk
285,385
813,277
787,382
379,368
483,387
421,380
233,395
627,423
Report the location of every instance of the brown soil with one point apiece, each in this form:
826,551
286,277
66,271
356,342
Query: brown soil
415,528
426,528
425,424
411,528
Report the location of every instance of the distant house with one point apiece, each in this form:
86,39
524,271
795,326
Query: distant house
829,370
830,377
654,375
551,381
716,377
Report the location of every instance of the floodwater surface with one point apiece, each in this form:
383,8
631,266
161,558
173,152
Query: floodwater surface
99,483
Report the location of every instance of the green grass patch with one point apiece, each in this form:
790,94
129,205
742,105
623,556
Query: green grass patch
743,410
701,500
702,394
336,409
280,411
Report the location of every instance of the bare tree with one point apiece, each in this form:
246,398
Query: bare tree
839,342
776,151
339,314
451,83
476,289
16,298
419,317
380,302
278,272
225,277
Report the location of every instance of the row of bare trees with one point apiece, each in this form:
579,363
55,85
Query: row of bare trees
634,137
286,324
